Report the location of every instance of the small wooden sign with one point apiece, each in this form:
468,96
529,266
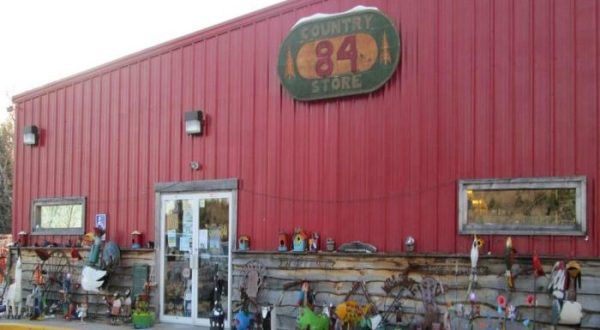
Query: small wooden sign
139,279
326,56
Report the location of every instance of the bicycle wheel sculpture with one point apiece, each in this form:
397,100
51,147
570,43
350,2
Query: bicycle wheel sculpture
51,276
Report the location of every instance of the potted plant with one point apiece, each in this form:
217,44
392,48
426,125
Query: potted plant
142,317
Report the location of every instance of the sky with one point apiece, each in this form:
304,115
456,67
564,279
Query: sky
42,41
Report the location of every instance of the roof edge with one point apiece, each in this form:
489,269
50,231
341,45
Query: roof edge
209,32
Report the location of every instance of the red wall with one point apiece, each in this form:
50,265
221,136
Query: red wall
484,89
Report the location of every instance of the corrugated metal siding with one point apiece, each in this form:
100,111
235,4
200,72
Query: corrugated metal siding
484,89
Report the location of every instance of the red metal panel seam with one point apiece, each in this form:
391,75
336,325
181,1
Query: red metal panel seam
105,145
43,170
168,80
177,125
474,157
143,95
153,122
576,130
78,109
512,82
86,142
19,170
70,139
170,130
113,201
594,184
62,155
192,99
454,107
531,240
32,168
51,171
436,103
119,145
122,132
135,104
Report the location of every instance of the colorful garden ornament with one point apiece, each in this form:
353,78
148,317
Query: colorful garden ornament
475,247
564,309
509,259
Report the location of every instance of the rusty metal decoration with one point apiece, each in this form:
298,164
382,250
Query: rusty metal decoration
253,278
429,288
357,246
359,285
404,284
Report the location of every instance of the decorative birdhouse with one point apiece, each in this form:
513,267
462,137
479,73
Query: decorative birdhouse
244,243
136,239
299,238
283,242
313,242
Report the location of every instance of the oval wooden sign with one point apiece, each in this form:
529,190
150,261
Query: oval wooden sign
333,55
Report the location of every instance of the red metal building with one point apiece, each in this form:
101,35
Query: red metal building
484,89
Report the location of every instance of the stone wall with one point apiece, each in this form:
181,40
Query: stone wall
120,279
332,276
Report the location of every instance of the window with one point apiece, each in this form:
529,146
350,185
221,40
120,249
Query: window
58,216
523,206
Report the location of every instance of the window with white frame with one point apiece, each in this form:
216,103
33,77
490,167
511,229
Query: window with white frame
58,216
523,206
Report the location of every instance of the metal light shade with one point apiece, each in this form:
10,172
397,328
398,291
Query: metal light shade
194,122
30,135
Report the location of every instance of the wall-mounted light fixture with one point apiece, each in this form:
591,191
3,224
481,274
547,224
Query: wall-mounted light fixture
194,122
30,135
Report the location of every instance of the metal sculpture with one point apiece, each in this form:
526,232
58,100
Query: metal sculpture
100,262
404,284
429,288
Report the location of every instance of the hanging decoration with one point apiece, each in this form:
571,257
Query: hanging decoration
509,259
476,245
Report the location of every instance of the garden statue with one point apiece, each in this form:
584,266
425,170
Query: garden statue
82,311
114,307
94,276
15,292
126,306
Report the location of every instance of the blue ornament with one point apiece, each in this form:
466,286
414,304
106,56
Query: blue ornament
243,320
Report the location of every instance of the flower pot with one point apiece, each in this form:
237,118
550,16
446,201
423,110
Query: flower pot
142,320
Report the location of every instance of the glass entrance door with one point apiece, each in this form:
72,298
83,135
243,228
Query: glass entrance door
195,268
